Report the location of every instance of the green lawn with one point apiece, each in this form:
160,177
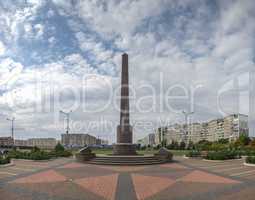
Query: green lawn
144,152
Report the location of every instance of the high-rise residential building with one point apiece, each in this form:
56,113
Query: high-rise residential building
229,127
148,140
235,125
204,131
194,132
175,133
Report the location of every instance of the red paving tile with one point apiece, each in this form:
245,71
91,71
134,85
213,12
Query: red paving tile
124,168
104,186
49,176
147,186
203,177
73,165
174,166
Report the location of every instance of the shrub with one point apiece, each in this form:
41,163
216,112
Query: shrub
61,152
223,141
59,147
222,155
203,145
194,153
182,145
250,159
64,153
4,160
40,155
35,154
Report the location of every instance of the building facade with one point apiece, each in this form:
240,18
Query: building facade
148,140
6,141
78,140
229,127
42,143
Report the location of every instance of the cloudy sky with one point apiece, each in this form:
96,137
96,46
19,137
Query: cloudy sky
193,55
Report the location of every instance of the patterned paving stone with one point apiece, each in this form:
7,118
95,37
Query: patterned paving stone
42,177
104,186
54,191
172,174
246,193
72,166
174,166
5,194
146,186
124,168
173,181
190,191
203,177
84,172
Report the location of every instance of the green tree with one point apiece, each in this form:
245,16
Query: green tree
164,143
191,145
223,141
243,140
59,148
182,145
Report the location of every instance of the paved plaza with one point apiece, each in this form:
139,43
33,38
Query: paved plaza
183,179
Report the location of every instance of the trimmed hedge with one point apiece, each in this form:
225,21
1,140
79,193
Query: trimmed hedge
193,154
33,155
37,154
222,155
250,159
5,160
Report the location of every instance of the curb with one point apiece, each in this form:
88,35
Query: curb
27,160
248,164
222,160
7,165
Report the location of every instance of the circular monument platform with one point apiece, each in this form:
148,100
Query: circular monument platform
85,155
126,160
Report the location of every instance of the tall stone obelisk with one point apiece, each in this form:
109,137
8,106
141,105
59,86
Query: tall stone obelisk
124,145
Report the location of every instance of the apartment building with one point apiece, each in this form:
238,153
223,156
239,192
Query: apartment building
176,133
42,143
78,140
194,132
148,140
235,125
229,127
6,141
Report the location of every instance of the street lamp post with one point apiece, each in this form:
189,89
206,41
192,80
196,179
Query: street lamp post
12,125
186,115
67,114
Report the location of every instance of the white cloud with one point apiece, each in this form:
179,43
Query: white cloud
2,48
189,42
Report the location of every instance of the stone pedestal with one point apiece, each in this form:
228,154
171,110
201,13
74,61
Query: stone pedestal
85,154
124,149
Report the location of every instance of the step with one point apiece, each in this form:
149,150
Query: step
126,160
126,163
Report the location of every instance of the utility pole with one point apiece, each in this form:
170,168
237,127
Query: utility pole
12,126
67,114
186,115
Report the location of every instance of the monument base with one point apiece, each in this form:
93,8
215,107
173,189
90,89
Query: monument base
124,149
